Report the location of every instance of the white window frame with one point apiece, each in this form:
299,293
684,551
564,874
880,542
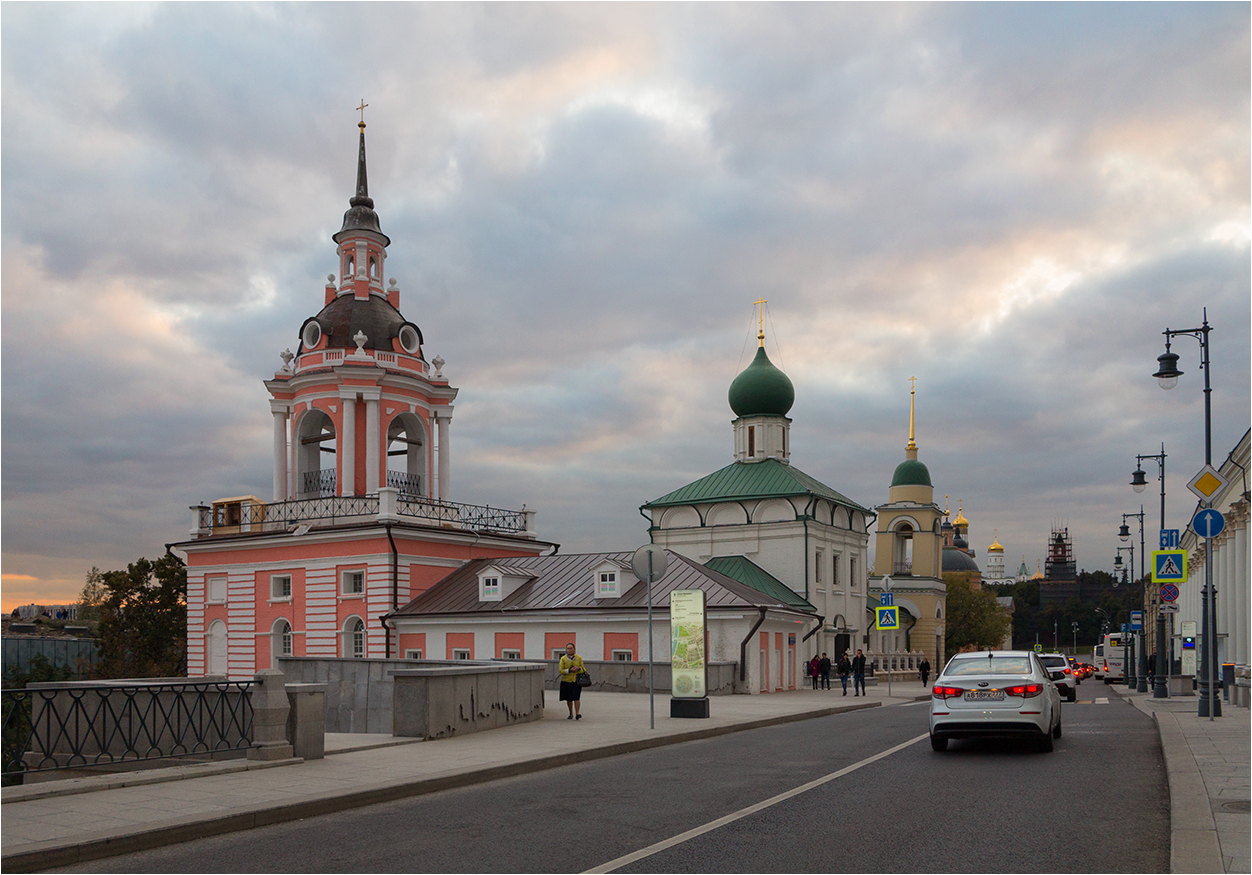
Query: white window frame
558,653
210,582
621,655
275,594
510,653
607,583
413,653
282,643
354,635
350,574
491,589
461,653
819,559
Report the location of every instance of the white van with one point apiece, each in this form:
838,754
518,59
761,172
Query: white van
1111,659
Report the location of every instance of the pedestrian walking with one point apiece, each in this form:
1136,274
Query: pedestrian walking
824,667
845,669
815,667
570,667
1152,669
924,670
858,674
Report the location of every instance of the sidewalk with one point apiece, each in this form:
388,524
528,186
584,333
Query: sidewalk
1208,763
57,823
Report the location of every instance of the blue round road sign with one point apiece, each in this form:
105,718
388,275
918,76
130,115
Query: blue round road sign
1208,523
1169,593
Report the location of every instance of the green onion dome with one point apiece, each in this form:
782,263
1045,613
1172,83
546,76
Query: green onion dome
911,472
761,389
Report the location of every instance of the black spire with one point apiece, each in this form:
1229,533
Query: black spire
360,215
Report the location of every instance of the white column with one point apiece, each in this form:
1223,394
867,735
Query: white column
445,457
280,451
371,440
1240,584
347,445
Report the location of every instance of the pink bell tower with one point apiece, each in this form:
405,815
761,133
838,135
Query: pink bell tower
361,518
358,407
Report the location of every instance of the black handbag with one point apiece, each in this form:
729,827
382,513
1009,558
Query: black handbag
584,679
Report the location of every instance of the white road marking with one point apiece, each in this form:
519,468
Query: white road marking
744,812
1101,701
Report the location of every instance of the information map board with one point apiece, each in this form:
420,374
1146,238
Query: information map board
688,644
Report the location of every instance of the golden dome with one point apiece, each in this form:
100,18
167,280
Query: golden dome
1038,575
960,518
996,546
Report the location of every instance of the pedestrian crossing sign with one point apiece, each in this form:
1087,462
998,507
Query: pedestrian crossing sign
888,618
1169,566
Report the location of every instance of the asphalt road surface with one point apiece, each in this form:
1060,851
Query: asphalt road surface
856,792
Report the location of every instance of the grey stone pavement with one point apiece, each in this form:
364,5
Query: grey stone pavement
1209,766
57,823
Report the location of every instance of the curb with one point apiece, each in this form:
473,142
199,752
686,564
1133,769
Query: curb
95,846
1193,842
94,783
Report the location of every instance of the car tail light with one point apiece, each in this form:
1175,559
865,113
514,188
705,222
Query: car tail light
1026,691
1067,671
946,692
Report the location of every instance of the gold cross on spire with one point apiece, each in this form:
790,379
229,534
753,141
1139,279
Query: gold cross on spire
760,303
912,395
361,109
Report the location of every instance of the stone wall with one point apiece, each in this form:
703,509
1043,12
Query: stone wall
443,700
358,691
612,676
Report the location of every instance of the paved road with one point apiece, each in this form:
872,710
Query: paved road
982,806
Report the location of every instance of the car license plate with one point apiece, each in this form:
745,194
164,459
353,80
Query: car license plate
984,695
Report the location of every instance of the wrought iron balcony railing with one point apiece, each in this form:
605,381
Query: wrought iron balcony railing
317,483
903,569
410,485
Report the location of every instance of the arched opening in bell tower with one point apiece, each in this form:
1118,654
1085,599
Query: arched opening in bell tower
406,456
315,478
902,546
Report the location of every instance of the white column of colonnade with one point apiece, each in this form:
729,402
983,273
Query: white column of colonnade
1241,584
445,456
372,446
280,411
347,443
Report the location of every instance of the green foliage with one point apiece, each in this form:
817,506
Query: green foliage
1052,624
40,671
91,599
975,621
143,620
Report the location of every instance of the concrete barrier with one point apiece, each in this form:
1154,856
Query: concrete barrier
306,720
444,700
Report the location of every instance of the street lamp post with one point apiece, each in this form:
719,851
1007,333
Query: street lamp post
1075,625
1139,482
1168,374
1123,533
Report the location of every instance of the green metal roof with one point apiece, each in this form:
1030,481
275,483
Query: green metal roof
761,389
911,472
748,573
744,480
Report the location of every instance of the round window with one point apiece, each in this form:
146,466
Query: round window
312,334
409,339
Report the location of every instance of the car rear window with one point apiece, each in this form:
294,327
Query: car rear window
1053,660
1019,665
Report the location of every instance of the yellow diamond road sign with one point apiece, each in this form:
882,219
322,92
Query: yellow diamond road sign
1207,483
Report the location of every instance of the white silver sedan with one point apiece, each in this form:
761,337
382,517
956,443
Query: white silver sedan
995,693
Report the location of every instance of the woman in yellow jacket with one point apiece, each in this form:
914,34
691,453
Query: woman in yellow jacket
570,667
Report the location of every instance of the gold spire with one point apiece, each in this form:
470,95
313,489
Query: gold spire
945,504
760,303
912,396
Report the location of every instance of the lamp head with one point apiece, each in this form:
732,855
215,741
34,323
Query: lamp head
1168,373
1124,533
1138,480
1117,561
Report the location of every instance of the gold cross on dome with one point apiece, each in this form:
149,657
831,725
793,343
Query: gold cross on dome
760,315
361,108
912,384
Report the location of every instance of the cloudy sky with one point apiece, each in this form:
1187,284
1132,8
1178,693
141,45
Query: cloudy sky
1010,202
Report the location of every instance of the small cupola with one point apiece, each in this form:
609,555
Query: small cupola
761,397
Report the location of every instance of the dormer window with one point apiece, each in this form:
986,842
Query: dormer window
608,584
491,589
497,582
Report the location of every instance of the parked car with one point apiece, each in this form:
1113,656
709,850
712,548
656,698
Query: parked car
996,693
1066,683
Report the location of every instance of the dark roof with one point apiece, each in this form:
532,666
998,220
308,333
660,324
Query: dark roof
761,389
744,570
565,582
742,480
958,560
343,317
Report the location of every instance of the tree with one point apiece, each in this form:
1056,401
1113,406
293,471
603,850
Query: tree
975,620
92,597
143,620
